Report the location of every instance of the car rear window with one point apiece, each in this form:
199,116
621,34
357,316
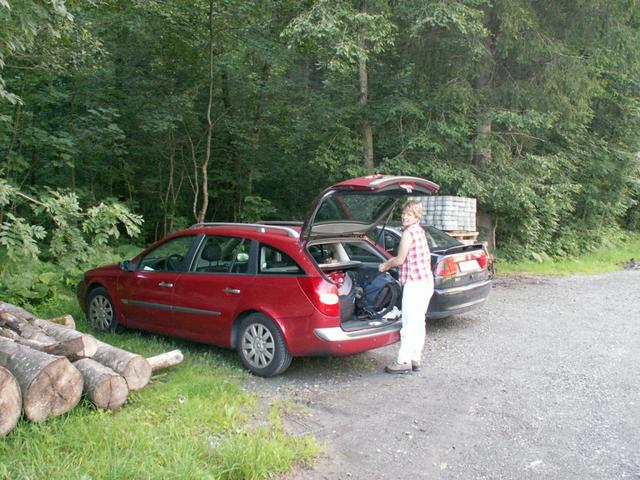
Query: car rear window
353,206
439,240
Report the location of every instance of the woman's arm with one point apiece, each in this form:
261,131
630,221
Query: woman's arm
403,251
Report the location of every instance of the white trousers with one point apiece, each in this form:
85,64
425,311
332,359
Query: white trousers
415,301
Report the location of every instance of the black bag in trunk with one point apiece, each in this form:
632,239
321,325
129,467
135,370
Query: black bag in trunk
379,296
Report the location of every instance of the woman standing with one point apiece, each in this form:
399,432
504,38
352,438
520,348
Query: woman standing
416,278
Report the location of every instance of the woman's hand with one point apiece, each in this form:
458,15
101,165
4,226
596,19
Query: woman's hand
383,267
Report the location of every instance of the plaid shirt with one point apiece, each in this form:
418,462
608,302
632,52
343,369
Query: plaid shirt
417,266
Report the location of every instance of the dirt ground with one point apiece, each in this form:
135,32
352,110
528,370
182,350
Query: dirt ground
541,382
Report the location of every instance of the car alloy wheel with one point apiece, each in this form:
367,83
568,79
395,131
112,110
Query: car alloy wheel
262,347
100,311
258,345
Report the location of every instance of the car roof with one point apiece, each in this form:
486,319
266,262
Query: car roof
249,230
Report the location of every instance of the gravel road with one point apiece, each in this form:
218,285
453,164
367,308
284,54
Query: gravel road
542,382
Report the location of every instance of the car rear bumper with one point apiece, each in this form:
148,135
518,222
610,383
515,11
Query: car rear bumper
456,300
336,341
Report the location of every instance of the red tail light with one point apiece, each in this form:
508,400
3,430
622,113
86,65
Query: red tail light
323,294
481,257
447,267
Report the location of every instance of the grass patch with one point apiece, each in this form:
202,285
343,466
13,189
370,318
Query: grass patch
604,259
191,421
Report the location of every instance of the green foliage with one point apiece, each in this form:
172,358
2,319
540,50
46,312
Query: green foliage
341,34
103,220
255,208
36,268
19,238
111,109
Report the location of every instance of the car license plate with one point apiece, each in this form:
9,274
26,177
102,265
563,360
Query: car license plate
468,266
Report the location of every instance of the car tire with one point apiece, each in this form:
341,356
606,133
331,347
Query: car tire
101,313
261,346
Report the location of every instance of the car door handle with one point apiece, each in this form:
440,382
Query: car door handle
232,290
165,285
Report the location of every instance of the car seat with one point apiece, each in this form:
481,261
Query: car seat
211,253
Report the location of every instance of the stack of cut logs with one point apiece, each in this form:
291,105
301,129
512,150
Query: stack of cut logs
46,365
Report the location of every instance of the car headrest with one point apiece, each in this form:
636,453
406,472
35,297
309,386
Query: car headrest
211,252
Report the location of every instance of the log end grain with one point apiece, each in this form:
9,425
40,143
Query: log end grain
137,373
10,402
104,387
111,393
54,391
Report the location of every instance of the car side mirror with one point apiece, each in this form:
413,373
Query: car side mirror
127,266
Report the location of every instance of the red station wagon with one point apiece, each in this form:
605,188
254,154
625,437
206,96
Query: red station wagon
270,292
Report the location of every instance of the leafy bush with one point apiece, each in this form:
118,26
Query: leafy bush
47,242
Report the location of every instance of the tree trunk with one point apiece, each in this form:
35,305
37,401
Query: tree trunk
23,330
134,368
47,336
104,387
483,153
50,385
367,133
207,157
66,320
21,313
10,401
164,360
51,346
363,100
62,333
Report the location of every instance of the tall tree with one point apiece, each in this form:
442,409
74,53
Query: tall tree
344,37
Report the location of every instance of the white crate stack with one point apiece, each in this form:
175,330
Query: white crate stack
457,214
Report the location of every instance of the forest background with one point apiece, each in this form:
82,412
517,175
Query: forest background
179,111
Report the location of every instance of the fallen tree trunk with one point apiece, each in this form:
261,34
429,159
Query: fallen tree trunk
19,312
10,401
134,368
66,320
22,314
23,328
164,360
50,385
104,387
66,348
62,333
69,342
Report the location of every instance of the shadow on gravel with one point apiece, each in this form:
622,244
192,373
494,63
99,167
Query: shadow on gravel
451,323
323,368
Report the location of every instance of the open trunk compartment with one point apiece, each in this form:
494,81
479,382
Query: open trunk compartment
352,266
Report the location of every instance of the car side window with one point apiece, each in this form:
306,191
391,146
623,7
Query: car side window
168,257
220,254
276,262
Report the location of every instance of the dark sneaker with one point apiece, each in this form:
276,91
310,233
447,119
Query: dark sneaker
415,366
398,368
